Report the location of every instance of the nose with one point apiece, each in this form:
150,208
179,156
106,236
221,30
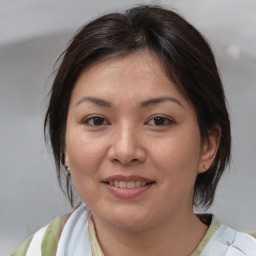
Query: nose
126,146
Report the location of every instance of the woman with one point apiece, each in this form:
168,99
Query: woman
138,118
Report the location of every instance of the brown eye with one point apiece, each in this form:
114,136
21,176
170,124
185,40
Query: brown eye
96,121
159,121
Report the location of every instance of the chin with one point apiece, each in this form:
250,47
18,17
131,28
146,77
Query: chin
128,219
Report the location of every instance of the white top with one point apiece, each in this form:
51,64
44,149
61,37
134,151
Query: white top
75,241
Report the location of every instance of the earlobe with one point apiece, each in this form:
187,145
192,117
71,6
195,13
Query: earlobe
210,149
66,160
67,163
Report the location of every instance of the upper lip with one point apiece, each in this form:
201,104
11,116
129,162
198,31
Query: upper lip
127,178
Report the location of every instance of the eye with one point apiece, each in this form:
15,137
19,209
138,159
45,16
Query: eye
95,121
160,121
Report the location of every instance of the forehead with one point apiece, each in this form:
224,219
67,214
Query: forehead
138,72
141,57
144,62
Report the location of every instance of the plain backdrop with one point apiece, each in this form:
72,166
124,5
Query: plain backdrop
32,35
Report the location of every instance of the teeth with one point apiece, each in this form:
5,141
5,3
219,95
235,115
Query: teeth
122,184
129,184
137,184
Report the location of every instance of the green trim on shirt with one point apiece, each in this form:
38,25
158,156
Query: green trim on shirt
22,249
95,247
209,233
50,240
252,234
52,235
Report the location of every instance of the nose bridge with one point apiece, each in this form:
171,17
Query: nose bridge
126,145
124,139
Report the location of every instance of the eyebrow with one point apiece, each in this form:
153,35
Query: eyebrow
154,101
143,104
96,101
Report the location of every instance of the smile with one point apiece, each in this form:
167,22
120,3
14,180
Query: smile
129,184
127,187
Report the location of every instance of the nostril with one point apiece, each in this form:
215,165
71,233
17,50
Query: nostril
125,162
121,152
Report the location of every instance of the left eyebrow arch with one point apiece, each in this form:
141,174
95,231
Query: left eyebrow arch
96,101
154,101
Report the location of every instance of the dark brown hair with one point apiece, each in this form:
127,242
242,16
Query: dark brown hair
186,58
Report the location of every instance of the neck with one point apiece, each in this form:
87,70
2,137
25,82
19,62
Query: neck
178,236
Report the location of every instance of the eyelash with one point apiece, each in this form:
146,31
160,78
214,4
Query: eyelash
167,121
162,118
94,118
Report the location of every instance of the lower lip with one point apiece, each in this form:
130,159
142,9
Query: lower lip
128,193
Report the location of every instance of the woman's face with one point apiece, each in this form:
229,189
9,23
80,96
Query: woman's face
132,143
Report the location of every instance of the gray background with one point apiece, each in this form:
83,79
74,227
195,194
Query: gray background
32,35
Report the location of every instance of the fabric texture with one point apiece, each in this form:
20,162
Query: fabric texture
22,249
52,236
75,234
253,234
36,243
74,239
95,246
210,232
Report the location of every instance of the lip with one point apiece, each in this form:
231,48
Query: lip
127,178
128,193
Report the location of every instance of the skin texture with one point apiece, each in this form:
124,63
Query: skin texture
129,141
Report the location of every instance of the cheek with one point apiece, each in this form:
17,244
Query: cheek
86,155
85,159
178,150
83,151
177,158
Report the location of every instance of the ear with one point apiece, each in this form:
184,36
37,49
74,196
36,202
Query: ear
66,160
209,149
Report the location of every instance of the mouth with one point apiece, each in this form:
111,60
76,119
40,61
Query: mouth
127,184
127,187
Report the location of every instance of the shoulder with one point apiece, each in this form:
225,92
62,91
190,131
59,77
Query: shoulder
230,242
22,249
47,236
253,234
